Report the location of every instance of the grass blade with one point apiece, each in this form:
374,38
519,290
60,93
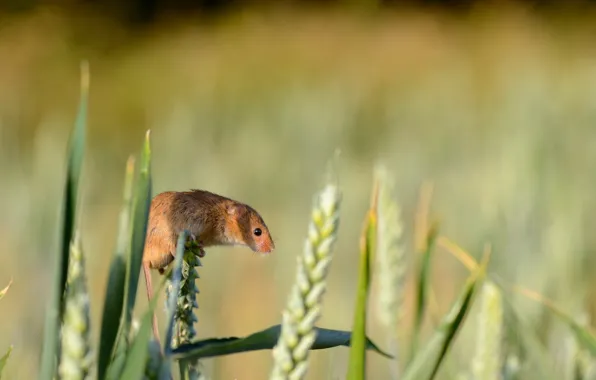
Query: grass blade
423,287
137,356
117,364
141,205
537,359
5,290
357,366
127,263
50,351
134,365
4,359
433,354
115,288
265,340
535,349
459,253
582,334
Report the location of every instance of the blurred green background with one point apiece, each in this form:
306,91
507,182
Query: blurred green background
495,105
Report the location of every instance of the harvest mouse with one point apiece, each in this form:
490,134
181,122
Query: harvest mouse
210,219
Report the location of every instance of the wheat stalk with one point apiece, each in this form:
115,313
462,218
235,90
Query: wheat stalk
76,358
391,260
184,315
486,364
304,303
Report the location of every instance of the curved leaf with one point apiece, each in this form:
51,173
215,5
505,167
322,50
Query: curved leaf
264,340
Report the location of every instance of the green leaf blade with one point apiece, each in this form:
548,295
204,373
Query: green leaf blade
55,309
134,365
141,206
583,335
264,340
357,363
436,349
423,285
4,359
117,364
137,356
115,287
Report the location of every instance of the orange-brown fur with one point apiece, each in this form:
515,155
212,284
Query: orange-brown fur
210,218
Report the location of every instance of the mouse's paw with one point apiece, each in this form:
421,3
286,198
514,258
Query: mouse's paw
195,246
191,242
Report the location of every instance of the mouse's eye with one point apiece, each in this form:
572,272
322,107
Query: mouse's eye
257,232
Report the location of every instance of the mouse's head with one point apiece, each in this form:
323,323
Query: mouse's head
248,228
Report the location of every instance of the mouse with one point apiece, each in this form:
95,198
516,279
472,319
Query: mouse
210,219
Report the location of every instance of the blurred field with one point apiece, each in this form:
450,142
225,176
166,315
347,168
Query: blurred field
497,109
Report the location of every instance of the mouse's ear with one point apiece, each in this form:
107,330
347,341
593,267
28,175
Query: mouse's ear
235,209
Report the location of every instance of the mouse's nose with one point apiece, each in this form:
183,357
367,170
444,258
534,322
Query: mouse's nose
266,247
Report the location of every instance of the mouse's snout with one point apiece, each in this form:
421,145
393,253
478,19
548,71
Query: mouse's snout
265,246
